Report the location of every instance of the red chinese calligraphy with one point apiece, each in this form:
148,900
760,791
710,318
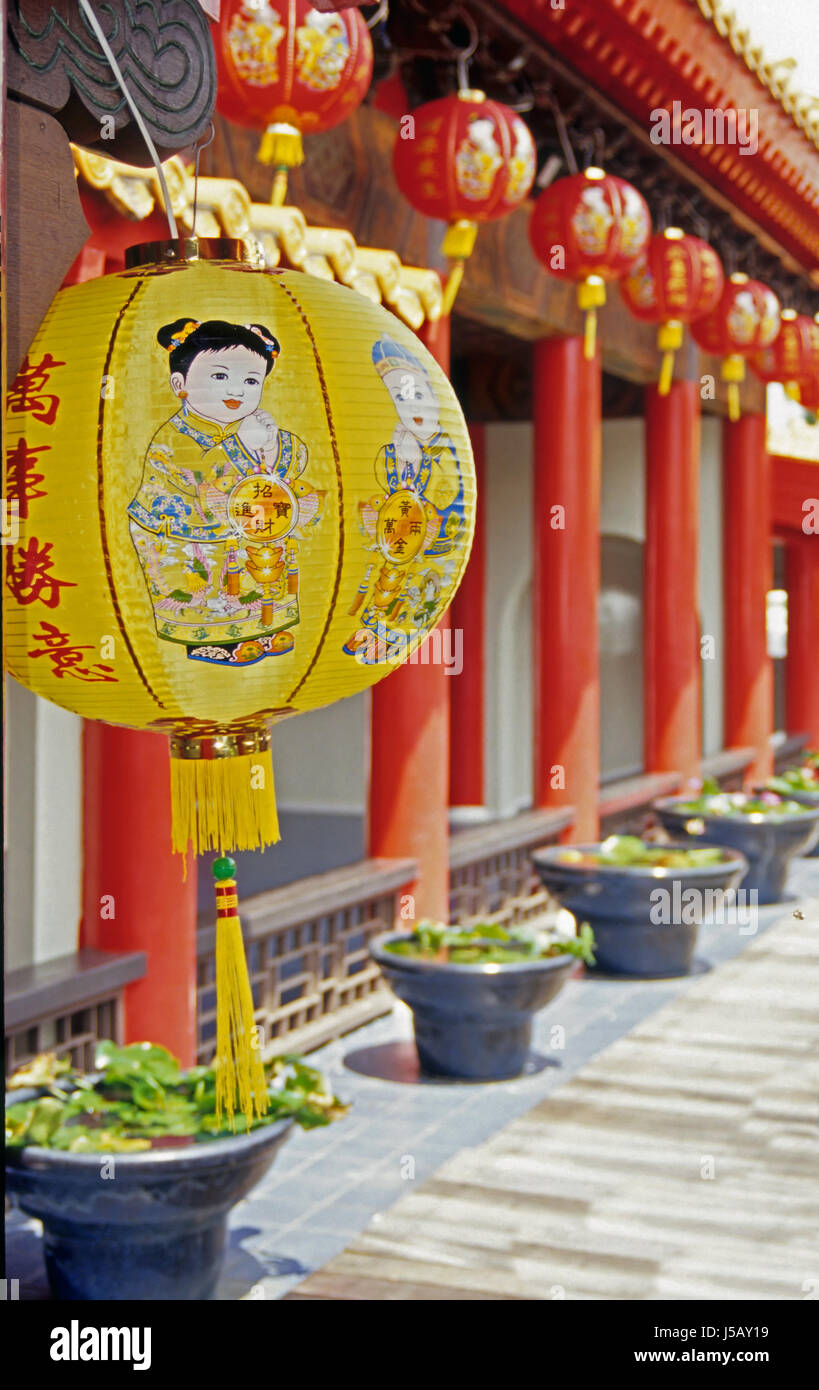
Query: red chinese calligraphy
28,576
21,480
26,393
66,659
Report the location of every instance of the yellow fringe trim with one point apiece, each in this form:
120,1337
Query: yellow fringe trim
223,803
239,1070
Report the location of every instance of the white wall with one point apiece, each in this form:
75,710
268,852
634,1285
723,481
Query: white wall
321,759
623,492
508,691
43,884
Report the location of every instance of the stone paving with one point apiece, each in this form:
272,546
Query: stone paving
330,1185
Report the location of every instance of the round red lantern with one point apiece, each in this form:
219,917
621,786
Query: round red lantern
590,227
464,160
793,357
745,321
679,280
290,70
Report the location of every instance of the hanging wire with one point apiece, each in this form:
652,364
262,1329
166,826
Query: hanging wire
132,106
203,144
381,13
468,52
563,135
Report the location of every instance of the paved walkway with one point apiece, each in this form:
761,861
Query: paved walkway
327,1186
681,1163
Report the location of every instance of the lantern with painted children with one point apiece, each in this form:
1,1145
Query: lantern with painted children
463,160
589,228
289,69
745,321
237,490
680,279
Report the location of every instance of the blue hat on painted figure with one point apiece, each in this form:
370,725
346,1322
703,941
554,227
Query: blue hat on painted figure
390,356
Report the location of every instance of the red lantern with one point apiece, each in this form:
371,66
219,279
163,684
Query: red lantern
746,321
793,357
679,280
590,227
290,70
809,394
464,160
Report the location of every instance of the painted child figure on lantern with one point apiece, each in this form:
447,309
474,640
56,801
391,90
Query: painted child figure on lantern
415,524
222,501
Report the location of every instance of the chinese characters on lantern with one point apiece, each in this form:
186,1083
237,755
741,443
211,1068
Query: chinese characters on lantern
29,572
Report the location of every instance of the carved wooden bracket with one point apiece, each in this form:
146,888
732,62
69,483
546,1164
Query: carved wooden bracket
163,47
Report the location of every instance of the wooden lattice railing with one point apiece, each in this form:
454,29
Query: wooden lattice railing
307,952
490,871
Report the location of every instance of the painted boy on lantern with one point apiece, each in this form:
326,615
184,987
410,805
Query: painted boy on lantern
420,515
222,500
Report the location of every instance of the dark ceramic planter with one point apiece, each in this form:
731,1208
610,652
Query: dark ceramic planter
768,845
153,1231
617,903
472,1021
811,800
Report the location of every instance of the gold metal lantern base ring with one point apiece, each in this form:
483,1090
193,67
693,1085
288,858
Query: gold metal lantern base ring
185,250
222,791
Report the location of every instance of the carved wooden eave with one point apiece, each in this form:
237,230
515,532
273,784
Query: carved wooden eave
647,54
278,235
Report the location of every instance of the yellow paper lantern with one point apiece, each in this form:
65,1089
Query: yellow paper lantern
242,494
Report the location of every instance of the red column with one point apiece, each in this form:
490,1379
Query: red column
466,700
671,643
409,755
802,663
567,449
129,870
747,577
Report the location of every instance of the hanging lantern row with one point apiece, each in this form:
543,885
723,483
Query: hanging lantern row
289,70
793,357
249,526
468,160
679,280
590,228
745,322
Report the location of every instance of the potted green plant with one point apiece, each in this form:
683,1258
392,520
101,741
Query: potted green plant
133,1174
767,828
474,991
800,784
645,902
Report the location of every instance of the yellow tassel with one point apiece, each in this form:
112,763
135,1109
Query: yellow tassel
240,1079
459,239
734,411
281,146
666,373
221,801
591,294
279,194
453,284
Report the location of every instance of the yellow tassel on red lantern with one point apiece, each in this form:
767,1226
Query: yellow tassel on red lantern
591,295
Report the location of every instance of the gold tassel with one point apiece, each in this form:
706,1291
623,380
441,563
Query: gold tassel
669,340
591,295
458,244
240,1079
733,371
222,792
281,146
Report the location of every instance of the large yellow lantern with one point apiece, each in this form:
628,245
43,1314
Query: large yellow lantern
242,494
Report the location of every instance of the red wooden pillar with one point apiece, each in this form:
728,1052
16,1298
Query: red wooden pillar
747,577
802,663
134,897
567,449
467,618
671,645
409,755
